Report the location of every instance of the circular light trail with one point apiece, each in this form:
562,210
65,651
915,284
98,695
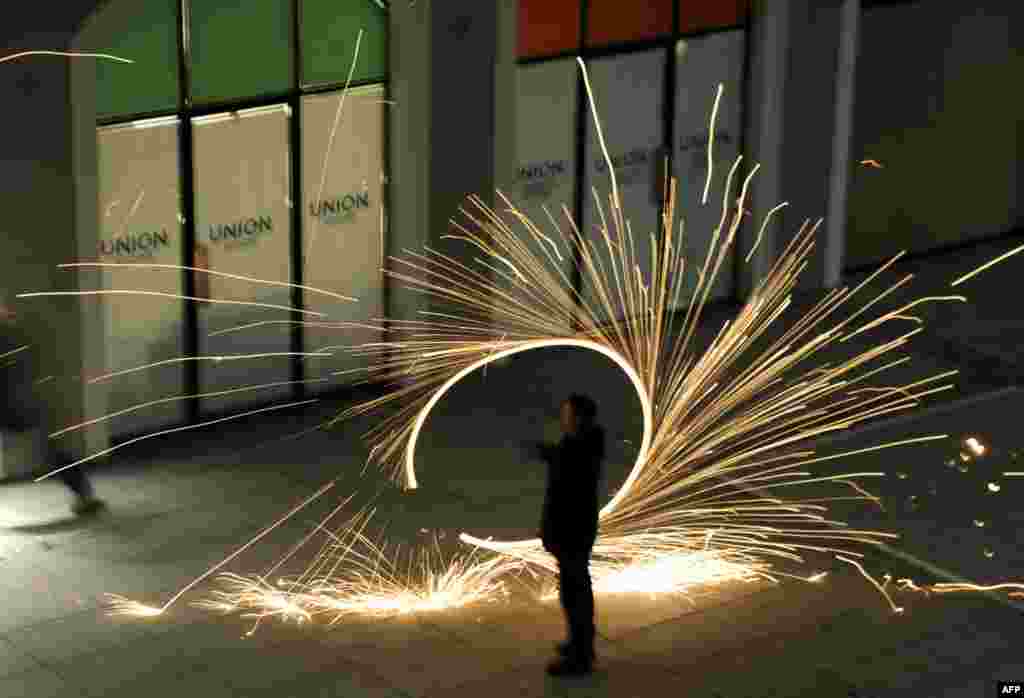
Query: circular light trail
620,361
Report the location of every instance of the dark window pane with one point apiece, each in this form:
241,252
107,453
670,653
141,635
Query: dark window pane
548,27
240,49
145,32
612,21
701,15
329,31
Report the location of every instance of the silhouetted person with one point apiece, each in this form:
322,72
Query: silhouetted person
22,410
569,525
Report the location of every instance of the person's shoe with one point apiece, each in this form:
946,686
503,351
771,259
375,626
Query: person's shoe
568,666
88,505
565,649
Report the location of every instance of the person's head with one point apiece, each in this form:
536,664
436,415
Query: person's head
577,411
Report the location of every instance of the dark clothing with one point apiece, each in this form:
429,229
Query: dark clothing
577,597
75,478
569,521
569,528
22,407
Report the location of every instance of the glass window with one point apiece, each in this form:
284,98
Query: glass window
629,93
139,223
546,156
240,49
701,64
146,33
548,27
243,227
701,15
935,188
329,32
344,218
612,21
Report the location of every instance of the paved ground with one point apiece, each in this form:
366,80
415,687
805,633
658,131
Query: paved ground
180,504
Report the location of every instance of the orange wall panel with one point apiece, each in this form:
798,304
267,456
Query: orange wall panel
611,21
698,15
548,27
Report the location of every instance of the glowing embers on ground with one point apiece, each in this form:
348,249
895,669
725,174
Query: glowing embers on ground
676,569
352,575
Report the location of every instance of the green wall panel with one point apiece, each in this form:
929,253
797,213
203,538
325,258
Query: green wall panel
145,32
240,48
329,31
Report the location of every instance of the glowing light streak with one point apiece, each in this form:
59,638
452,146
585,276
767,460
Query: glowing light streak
330,139
986,265
161,401
176,296
210,272
881,588
764,224
600,135
949,587
261,323
15,351
169,431
215,359
65,54
711,142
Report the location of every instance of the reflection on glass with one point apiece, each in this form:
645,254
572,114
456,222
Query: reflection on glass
243,227
629,91
701,65
344,222
138,211
545,175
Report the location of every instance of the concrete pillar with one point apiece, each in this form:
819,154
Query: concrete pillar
87,236
765,114
37,230
409,142
442,126
842,158
799,126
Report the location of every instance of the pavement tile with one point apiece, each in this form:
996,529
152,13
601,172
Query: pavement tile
416,657
38,683
621,614
14,659
611,677
525,630
172,663
66,638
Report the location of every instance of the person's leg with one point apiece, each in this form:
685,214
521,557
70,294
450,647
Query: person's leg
564,596
579,605
77,482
